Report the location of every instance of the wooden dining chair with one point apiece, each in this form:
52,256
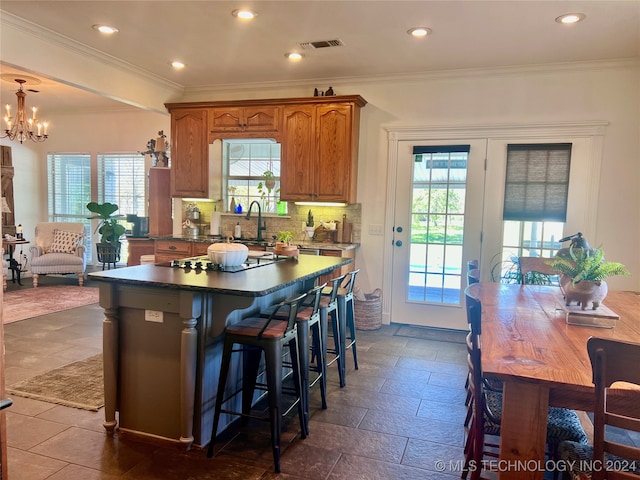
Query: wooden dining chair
615,406
535,270
486,404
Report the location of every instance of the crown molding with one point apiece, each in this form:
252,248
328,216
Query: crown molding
9,20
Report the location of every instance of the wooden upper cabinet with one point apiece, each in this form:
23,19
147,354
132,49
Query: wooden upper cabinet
264,120
318,136
189,153
320,152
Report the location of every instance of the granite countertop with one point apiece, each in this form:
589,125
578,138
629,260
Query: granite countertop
253,241
252,282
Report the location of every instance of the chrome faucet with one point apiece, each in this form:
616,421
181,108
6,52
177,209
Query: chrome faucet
261,227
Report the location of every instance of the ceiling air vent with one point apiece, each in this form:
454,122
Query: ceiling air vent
322,44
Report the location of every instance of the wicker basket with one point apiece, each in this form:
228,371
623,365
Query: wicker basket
368,313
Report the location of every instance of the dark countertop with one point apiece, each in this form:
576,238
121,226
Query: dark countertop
253,282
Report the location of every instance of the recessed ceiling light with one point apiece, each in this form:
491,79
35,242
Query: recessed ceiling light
178,65
108,29
293,56
244,13
419,31
571,18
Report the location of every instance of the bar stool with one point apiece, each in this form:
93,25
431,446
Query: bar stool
346,311
329,307
257,335
308,322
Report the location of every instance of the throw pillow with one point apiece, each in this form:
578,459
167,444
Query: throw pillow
65,242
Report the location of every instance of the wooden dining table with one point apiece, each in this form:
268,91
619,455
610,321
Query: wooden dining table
543,361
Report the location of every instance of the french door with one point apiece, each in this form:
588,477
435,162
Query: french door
437,217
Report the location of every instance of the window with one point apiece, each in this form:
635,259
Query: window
437,223
535,203
246,162
120,179
69,190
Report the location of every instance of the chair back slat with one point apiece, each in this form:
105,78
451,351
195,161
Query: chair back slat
534,265
616,404
293,304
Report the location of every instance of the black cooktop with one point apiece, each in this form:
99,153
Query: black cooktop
203,263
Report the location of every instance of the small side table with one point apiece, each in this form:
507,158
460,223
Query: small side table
14,265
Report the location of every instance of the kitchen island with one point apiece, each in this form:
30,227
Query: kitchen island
162,338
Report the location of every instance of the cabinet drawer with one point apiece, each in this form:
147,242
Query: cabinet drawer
200,248
174,247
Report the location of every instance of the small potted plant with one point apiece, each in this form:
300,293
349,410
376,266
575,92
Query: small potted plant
582,275
309,229
109,229
285,237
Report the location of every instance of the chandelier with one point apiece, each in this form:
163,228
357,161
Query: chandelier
21,127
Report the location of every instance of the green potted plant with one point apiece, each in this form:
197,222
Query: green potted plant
109,229
309,229
582,275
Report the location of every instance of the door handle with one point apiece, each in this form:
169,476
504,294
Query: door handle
398,243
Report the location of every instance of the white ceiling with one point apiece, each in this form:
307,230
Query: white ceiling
220,50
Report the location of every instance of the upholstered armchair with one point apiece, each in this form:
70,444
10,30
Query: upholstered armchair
59,249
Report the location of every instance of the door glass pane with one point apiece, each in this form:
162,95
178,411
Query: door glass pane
437,227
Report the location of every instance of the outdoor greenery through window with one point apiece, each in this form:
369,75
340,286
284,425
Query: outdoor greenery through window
247,162
536,195
437,223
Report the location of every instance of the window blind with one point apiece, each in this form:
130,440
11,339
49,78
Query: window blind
122,179
537,182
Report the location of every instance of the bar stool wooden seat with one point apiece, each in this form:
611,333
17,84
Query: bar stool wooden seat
256,335
329,307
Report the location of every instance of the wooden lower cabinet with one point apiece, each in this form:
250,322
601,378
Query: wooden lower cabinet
351,253
167,250
138,247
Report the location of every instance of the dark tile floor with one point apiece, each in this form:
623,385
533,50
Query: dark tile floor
399,415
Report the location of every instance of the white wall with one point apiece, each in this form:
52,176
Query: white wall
597,92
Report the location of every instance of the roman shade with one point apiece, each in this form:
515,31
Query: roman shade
537,182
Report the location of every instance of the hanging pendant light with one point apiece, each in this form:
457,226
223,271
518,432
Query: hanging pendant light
24,127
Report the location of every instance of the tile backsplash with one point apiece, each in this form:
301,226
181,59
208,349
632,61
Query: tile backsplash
296,216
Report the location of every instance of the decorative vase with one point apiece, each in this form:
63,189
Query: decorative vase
309,231
583,292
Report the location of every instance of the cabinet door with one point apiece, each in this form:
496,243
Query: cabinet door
226,119
336,162
261,119
244,119
189,153
298,156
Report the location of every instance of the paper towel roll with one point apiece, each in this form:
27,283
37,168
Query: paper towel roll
215,223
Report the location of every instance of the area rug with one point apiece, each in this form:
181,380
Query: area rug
32,302
427,333
79,384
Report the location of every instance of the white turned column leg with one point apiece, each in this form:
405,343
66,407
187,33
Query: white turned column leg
110,366
188,358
